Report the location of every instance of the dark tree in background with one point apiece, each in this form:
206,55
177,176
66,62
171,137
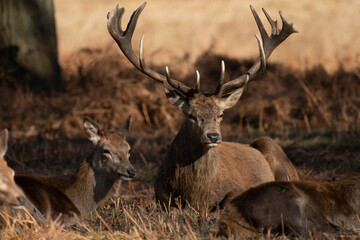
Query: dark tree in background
28,40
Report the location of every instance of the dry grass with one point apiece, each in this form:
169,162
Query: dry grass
46,135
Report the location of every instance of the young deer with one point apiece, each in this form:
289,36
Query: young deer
294,207
78,194
200,167
10,193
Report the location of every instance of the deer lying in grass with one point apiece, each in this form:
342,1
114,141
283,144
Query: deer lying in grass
78,194
10,193
296,207
200,168
12,199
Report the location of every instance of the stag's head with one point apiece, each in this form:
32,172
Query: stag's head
10,193
203,111
111,151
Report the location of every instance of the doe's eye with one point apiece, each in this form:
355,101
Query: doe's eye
221,115
192,117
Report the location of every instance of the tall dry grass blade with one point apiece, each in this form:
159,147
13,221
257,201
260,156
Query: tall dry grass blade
106,225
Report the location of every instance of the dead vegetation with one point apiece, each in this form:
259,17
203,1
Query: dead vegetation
314,114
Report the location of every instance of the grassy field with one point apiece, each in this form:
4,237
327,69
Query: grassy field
308,101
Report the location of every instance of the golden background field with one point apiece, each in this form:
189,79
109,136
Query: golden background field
329,29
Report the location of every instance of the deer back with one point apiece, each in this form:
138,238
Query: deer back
296,207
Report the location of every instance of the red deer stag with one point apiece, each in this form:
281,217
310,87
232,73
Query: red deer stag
200,167
78,194
298,207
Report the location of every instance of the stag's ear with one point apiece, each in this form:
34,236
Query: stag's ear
177,99
93,131
232,99
125,126
3,142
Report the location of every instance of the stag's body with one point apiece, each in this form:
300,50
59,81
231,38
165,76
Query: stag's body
78,194
296,207
200,168
201,174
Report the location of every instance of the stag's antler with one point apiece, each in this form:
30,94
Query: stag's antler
268,45
123,39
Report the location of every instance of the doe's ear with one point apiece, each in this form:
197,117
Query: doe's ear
232,99
125,126
3,142
176,98
92,130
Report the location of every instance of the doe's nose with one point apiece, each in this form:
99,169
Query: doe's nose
213,137
131,172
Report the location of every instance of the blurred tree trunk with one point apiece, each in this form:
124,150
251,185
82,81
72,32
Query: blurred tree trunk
28,37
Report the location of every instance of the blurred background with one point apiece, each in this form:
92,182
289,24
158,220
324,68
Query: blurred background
328,29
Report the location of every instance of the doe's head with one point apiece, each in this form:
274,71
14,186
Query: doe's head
10,193
111,156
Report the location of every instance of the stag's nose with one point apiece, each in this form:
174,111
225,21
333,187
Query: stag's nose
131,172
213,137
21,200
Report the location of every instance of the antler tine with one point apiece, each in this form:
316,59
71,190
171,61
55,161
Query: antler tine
222,74
197,86
222,78
277,35
176,84
274,28
123,39
256,69
268,46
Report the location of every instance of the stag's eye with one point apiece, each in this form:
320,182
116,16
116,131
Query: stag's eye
221,116
192,117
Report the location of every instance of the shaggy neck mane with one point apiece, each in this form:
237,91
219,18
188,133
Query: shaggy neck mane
191,166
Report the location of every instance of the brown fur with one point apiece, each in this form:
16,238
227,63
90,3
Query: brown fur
294,207
78,194
209,176
280,164
11,195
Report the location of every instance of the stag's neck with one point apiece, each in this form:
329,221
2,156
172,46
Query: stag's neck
188,147
87,188
191,163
